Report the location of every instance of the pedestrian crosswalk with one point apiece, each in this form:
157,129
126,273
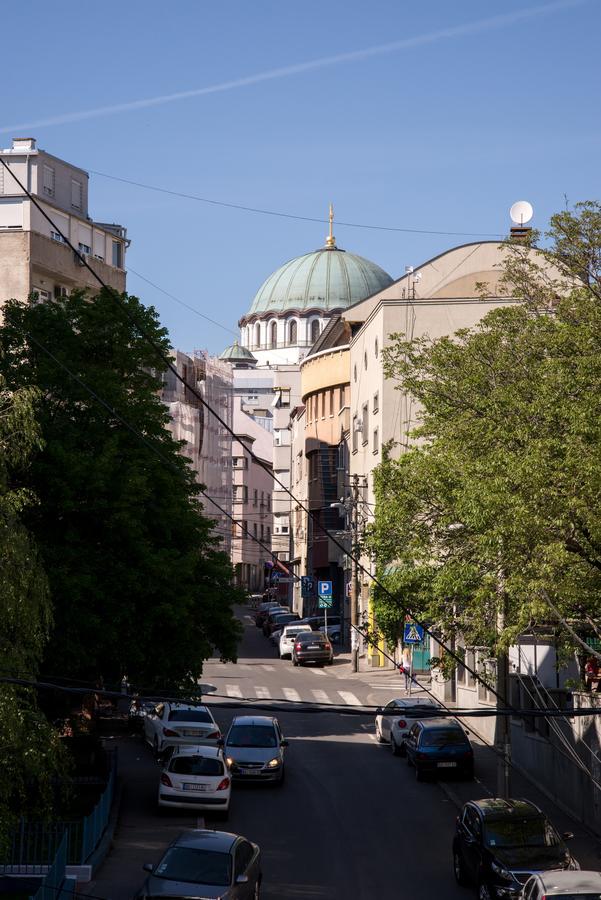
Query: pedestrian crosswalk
315,695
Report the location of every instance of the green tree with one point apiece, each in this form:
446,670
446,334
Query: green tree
29,747
502,487
137,581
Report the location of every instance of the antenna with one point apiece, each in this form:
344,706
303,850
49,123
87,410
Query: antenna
521,212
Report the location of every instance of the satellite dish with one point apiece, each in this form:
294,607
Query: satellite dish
521,212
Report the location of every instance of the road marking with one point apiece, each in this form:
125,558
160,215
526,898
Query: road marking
268,668
291,694
316,671
373,738
349,698
232,690
321,696
244,666
262,692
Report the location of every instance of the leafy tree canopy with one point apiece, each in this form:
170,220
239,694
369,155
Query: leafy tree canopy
502,485
138,584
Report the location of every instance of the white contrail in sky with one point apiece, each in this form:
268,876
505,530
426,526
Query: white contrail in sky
298,68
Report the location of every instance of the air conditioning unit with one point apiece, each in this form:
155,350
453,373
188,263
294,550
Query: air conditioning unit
358,424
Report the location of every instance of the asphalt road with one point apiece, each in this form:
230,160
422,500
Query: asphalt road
350,821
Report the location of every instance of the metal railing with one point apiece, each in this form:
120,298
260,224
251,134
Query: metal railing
95,824
53,886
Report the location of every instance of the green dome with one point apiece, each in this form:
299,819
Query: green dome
239,354
326,279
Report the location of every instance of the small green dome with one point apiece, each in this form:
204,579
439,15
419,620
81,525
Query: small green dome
237,354
326,279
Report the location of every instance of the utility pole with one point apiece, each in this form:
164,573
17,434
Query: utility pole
355,575
503,728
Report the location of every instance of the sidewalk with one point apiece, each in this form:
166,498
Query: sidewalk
585,846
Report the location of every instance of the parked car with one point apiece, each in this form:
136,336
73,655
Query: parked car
385,717
254,749
195,778
411,708
201,863
499,844
312,647
275,620
138,710
583,885
318,623
288,636
264,610
180,723
437,745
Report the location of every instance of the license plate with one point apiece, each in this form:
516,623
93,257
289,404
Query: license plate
191,732
313,647
446,765
197,787
249,771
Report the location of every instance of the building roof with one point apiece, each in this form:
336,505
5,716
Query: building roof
235,353
326,279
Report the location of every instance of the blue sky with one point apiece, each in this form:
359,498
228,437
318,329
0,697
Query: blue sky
442,133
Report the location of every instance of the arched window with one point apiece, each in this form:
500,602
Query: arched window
273,334
292,332
314,330
258,335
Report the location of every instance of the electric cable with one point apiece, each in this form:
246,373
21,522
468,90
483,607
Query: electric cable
284,215
116,297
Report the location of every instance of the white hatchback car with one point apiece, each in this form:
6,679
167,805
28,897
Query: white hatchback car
196,778
180,723
288,637
569,885
413,708
387,715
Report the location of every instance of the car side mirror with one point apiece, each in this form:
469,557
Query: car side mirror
284,743
378,710
148,867
220,742
242,879
568,835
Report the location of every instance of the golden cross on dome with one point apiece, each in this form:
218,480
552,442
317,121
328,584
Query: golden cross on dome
331,240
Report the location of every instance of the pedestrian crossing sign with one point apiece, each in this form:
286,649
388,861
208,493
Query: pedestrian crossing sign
413,633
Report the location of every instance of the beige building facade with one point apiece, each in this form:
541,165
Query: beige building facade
34,256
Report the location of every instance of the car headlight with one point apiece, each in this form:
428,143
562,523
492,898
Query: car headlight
501,871
231,762
273,763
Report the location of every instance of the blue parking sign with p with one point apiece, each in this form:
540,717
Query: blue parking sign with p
324,588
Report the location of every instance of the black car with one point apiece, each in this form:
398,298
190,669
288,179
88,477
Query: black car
498,844
277,620
312,647
439,746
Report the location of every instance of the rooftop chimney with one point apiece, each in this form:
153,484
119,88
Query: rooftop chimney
24,143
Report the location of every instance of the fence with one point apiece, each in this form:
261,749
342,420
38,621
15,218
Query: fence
93,825
54,886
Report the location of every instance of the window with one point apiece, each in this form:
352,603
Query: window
268,533
342,456
56,236
254,529
239,462
48,182
331,401
76,194
262,531
323,404
59,291
376,348
341,398
365,430
488,672
273,334
118,254
376,446
257,335
284,398
365,359
314,330
355,434
85,248
355,372
240,493
255,497
292,332
244,854
376,405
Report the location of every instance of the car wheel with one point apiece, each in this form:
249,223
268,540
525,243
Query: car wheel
331,662
379,737
484,892
458,869
394,746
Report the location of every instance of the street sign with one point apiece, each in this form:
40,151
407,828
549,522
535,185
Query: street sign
413,633
307,586
324,588
325,602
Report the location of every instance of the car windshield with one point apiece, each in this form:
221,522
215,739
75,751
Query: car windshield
531,832
194,865
196,765
291,634
252,736
311,637
189,715
442,737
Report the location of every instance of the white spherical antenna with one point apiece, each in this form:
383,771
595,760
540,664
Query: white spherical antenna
521,212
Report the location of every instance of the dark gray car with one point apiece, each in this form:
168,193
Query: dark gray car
254,749
215,865
312,647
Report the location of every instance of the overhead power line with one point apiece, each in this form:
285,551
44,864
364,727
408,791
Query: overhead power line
287,215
